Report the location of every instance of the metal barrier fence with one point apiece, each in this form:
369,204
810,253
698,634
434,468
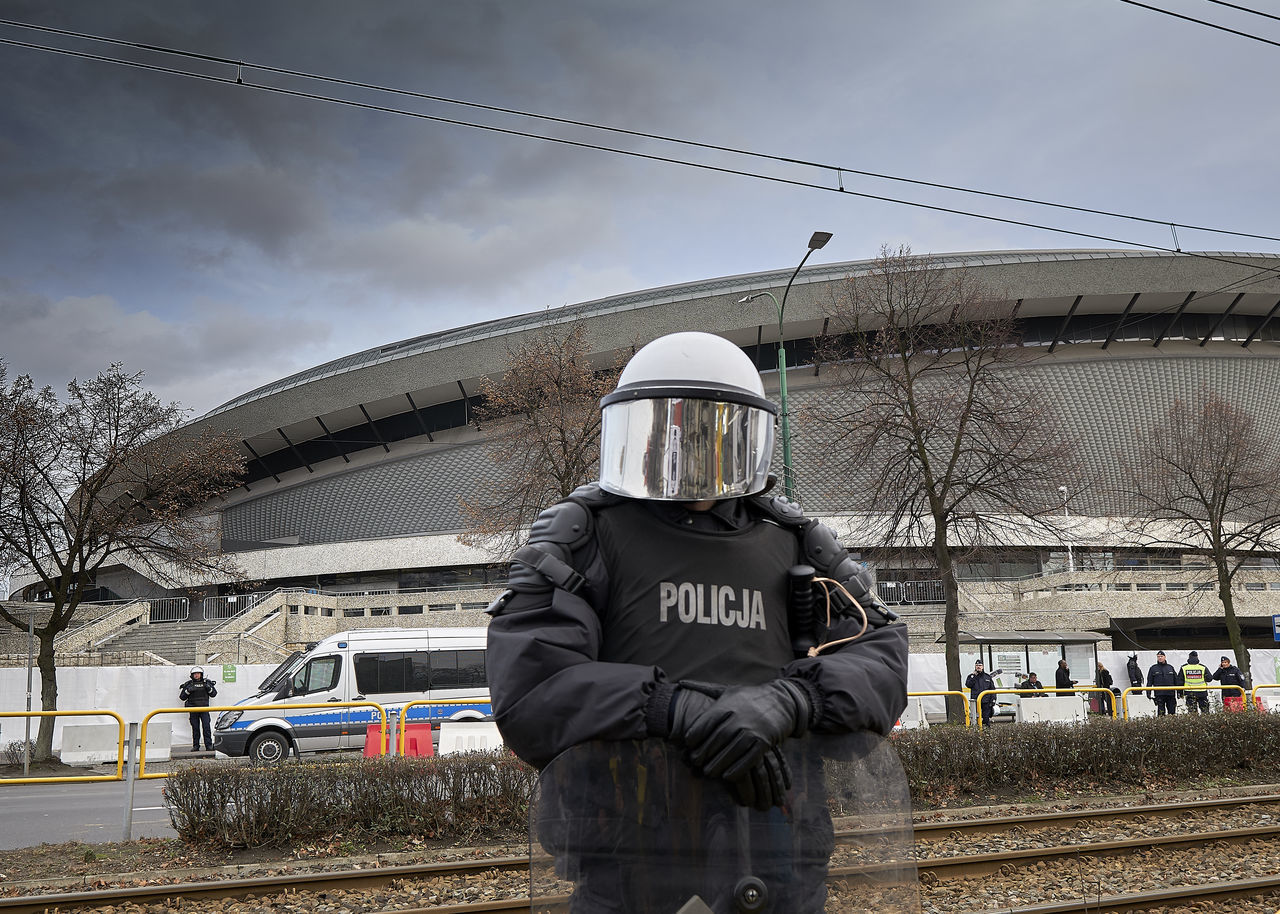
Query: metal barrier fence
63,779
1124,697
1253,696
325,705
170,609
910,591
964,698
1072,691
404,719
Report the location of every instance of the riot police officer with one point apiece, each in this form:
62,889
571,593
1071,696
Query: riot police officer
654,603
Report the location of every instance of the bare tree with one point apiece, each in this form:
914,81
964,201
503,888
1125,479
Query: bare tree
102,477
942,445
1204,480
545,416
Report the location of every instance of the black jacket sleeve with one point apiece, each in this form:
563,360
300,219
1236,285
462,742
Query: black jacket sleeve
549,691
863,684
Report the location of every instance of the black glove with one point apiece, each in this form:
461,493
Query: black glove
671,709
765,785
733,736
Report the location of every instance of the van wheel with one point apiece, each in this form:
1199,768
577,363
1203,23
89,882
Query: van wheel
269,748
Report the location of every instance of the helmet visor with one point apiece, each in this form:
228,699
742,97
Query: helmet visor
684,449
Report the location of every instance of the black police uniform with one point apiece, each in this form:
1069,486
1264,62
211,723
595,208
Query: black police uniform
619,597
195,693
1163,674
614,600
977,683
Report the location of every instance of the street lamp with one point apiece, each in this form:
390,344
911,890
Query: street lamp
816,242
1071,562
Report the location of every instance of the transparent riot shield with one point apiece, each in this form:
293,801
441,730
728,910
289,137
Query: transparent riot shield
628,827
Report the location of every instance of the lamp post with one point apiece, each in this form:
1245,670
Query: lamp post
816,242
1071,562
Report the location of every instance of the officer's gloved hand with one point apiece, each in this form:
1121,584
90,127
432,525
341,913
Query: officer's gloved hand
764,785
671,710
732,737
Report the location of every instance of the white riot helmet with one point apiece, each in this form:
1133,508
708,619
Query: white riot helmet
688,422
197,669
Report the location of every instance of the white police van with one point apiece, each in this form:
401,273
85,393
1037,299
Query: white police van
384,665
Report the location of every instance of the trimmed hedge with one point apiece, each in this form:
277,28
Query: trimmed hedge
455,798
481,796
1103,754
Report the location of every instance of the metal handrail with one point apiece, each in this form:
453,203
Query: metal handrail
66,779
1124,696
1253,696
142,758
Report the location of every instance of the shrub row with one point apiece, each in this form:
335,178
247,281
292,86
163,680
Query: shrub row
456,798
478,796
1104,753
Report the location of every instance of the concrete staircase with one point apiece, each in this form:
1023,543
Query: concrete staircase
177,642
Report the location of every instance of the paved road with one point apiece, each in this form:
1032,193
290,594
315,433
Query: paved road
94,812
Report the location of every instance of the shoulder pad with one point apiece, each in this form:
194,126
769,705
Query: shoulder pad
566,523
778,509
823,551
591,496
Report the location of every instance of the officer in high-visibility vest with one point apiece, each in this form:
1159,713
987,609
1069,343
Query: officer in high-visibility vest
1194,678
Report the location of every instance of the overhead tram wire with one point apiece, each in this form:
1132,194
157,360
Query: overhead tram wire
1244,9
1205,22
838,170
671,160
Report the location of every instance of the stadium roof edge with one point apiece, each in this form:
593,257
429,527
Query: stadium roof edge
643,298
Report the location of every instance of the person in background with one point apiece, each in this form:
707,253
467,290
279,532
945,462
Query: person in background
1135,671
978,682
195,693
1063,680
1102,679
1162,673
1228,674
1033,683
1194,675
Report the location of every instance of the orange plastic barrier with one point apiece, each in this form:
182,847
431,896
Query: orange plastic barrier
415,740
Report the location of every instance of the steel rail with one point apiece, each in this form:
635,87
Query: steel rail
1141,901
939,867
977,864
1068,817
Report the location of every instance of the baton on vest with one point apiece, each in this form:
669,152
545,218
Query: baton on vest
800,608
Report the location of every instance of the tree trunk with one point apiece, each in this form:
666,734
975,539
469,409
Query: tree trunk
1233,624
48,694
950,623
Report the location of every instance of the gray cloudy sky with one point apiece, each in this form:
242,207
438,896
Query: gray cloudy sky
220,237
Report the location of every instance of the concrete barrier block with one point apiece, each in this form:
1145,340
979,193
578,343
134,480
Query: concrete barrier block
1141,706
1057,708
468,736
91,744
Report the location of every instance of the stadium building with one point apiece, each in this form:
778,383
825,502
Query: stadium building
349,513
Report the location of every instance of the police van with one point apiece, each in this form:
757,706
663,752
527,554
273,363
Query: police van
389,666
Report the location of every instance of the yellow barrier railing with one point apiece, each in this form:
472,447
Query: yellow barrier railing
63,779
325,705
1253,696
1075,690
962,695
1124,697
423,702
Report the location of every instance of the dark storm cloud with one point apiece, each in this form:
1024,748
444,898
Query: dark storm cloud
225,236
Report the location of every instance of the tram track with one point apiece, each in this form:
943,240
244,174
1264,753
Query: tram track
513,872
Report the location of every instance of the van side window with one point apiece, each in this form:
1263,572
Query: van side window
457,670
401,671
319,675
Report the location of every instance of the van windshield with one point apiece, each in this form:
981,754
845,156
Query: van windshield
281,673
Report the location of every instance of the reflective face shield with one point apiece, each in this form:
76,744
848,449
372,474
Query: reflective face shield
682,448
